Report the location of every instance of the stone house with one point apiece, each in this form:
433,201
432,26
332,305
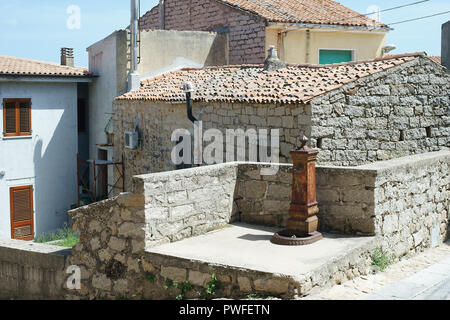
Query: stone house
355,113
313,31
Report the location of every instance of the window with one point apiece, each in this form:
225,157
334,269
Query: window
330,56
22,213
16,117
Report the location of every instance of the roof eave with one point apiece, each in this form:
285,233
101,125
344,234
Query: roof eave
277,24
46,78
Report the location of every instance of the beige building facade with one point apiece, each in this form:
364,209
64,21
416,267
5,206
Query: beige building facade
306,45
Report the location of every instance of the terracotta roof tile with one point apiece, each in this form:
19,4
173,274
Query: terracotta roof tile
252,84
305,11
27,67
436,59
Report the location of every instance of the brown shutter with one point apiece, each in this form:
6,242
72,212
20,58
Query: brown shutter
10,117
24,116
22,213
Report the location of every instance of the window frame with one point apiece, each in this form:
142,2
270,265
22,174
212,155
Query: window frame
17,102
353,52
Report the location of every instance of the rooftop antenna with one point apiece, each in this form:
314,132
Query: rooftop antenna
133,77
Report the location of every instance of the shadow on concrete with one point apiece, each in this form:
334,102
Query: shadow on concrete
255,237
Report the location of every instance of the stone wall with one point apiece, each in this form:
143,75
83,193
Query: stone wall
391,114
263,199
346,199
188,202
247,35
412,202
157,122
404,202
32,271
111,246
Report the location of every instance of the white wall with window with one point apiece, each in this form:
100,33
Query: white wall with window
38,147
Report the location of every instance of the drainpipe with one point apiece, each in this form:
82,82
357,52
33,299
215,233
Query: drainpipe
197,158
133,77
188,89
162,15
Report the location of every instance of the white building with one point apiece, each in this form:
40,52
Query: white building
39,141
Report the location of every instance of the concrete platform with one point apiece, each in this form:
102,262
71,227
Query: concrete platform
248,247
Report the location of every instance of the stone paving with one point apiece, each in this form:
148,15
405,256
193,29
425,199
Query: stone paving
425,276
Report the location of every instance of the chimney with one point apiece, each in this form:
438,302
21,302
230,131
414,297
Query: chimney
445,45
272,62
67,57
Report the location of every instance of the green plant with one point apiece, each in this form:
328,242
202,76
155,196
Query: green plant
184,287
168,283
150,277
68,237
212,286
380,259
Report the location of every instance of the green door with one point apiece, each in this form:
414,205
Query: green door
335,56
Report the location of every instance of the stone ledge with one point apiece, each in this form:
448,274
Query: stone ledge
289,271
33,254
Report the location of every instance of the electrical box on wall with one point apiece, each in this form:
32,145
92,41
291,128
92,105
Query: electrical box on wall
131,139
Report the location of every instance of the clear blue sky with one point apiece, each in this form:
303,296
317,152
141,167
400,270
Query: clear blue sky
38,29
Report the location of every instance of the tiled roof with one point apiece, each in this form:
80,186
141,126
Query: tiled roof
327,12
252,84
436,59
26,67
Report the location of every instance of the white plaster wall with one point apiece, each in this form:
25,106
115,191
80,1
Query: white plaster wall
107,59
47,159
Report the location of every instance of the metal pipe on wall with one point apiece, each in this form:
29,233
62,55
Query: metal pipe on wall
134,34
133,77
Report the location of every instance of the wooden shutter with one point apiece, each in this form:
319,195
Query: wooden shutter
25,117
9,109
22,227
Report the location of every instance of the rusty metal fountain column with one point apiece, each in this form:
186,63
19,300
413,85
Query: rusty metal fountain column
303,222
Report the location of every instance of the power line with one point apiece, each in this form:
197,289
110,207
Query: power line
432,15
384,10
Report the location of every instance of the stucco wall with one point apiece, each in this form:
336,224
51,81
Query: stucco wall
297,47
35,271
445,44
181,49
46,159
107,60
246,31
